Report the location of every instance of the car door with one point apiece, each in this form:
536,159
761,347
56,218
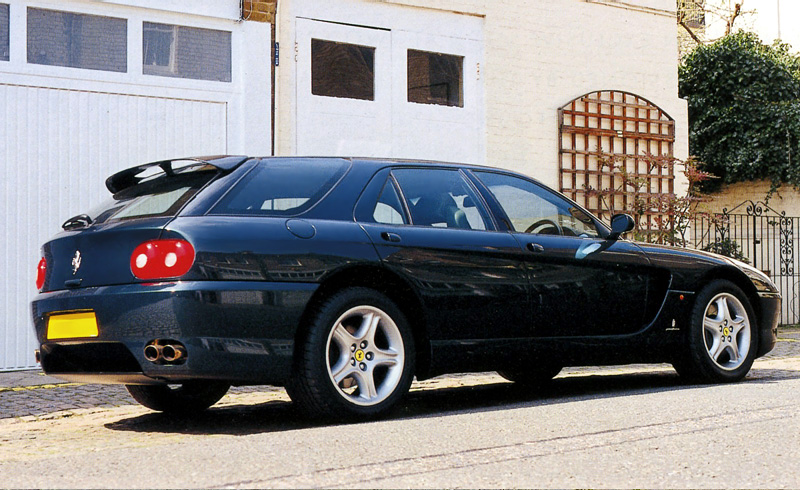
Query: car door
580,283
430,226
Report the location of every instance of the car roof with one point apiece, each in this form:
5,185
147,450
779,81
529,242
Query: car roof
379,162
132,176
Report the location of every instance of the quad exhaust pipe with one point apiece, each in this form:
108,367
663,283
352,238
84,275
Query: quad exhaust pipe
165,352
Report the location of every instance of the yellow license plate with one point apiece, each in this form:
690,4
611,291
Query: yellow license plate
72,325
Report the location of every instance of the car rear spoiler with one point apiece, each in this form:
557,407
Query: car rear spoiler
130,177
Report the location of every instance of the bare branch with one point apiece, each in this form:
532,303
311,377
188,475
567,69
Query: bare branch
689,30
737,10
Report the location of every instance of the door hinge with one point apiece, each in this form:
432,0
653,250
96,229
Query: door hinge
276,54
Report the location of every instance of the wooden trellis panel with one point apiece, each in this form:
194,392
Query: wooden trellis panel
614,126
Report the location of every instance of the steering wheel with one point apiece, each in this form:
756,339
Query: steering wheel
545,222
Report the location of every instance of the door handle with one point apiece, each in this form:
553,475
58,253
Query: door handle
535,247
390,237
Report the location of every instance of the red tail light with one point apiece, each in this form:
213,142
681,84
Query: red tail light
162,259
41,272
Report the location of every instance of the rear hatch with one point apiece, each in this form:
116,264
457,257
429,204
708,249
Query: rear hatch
95,248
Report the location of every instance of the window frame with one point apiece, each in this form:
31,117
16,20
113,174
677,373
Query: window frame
134,82
7,27
461,80
169,70
365,205
172,70
124,20
373,90
483,208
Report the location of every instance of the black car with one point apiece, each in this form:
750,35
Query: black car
342,279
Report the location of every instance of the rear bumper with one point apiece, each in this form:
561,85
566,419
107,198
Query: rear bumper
238,331
769,317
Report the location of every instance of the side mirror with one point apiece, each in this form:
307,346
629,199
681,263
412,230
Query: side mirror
620,223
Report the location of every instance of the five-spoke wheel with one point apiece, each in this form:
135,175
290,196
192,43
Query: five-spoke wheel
722,340
726,331
355,356
365,355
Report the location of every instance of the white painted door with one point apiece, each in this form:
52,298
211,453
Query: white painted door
337,114
433,129
407,116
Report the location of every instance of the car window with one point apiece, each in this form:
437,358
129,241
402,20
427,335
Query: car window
533,209
160,196
441,198
388,210
282,187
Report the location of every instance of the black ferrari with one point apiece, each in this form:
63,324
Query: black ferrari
342,279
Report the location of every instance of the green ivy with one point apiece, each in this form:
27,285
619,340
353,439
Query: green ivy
744,109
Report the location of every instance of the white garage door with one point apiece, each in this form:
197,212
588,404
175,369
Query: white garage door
388,93
57,147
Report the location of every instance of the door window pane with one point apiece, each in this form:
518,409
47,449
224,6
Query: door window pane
3,32
77,40
435,78
440,198
342,70
186,52
388,209
533,209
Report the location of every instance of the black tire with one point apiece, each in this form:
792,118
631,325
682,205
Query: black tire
373,377
531,376
190,397
708,359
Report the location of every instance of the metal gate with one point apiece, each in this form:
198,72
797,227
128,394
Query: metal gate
763,237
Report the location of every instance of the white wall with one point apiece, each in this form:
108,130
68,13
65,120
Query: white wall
539,55
543,54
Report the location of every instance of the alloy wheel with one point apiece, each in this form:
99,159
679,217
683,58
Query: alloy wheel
726,331
365,355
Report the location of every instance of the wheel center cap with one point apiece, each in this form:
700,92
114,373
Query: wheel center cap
726,331
359,355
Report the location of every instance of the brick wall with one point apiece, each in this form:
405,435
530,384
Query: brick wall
259,10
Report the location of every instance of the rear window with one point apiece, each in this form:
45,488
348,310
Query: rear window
161,196
282,187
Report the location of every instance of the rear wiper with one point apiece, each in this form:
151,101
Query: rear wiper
80,221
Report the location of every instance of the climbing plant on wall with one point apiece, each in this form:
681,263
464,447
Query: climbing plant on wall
744,109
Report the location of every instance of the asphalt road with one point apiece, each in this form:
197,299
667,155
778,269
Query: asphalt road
612,428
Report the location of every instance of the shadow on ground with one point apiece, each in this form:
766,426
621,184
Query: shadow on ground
276,416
